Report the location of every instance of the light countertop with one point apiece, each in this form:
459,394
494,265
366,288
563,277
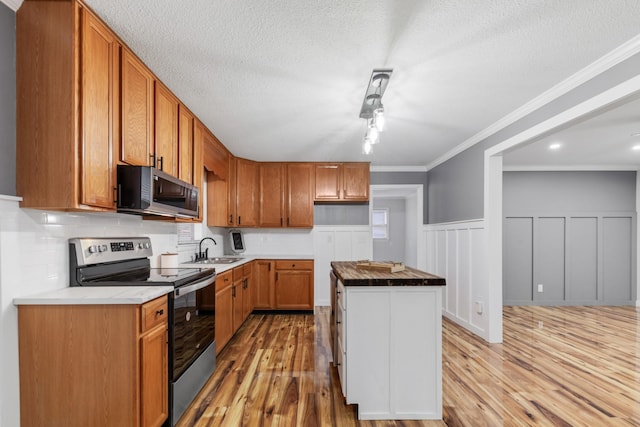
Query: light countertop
95,295
221,268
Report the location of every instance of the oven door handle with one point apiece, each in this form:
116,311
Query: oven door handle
194,287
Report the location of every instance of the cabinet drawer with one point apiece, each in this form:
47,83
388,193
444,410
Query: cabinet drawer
248,267
154,313
224,280
295,264
238,273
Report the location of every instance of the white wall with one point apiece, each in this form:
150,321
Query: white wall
34,258
337,243
456,251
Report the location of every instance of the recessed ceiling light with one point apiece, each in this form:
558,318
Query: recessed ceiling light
554,146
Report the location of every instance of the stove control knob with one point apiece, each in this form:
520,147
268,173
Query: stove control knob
102,248
147,245
140,246
93,249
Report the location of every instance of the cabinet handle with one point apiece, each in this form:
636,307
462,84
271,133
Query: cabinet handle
161,162
230,218
116,194
338,322
233,291
338,292
338,364
269,266
288,222
154,163
239,220
280,222
159,312
276,276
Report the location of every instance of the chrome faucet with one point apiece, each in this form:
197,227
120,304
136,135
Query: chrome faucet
204,255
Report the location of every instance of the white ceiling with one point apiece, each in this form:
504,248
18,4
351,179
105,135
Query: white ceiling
604,141
284,80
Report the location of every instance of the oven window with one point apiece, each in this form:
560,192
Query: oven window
193,327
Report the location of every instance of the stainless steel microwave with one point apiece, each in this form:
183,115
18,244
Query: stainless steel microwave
145,190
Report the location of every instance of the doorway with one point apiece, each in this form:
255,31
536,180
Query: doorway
403,205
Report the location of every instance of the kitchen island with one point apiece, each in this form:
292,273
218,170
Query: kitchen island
387,341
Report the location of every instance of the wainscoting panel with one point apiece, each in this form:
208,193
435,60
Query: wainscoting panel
578,259
456,251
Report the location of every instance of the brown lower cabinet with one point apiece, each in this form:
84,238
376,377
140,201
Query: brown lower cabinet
233,302
283,285
93,365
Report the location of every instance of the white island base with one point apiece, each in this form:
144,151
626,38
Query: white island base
388,350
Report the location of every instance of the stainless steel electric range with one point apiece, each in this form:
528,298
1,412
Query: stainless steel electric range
124,261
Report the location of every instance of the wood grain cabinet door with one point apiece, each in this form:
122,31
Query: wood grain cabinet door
99,99
294,290
137,111
355,181
186,146
327,181
247,197
299,197
166,120
272,209
262,290
154,381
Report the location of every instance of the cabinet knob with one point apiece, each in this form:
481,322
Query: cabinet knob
159,312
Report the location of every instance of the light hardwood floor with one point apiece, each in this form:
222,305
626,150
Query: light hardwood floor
559,366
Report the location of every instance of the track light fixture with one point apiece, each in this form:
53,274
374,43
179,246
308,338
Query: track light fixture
372,109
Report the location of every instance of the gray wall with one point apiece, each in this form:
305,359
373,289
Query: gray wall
571,232
400,178
457,184
393,248
7,101
341,214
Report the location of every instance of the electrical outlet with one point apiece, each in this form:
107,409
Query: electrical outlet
540,287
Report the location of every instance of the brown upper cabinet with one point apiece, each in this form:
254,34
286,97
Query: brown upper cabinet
137,111
166,119
286,194
186,146
218,164
67,107
341,182
247,195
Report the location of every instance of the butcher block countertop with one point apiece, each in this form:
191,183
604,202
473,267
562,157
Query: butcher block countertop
350,275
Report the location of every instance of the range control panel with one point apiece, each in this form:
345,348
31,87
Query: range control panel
95,250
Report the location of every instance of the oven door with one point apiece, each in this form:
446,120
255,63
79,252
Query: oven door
193,328
192,347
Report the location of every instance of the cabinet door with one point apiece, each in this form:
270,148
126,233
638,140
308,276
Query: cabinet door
263,278
231,193
185,145
154,379
294,290
327,181
272,195
99,100
238,294
198,168
247,193
224,317
300,194
166,119
137,111
355,181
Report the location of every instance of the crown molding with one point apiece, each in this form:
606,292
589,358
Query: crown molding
398,169
608,61
570,168
12,4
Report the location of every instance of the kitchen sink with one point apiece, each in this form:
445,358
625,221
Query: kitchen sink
218,260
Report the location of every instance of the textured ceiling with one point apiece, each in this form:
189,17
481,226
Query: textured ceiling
284,80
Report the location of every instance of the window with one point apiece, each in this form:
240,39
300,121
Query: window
380,223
